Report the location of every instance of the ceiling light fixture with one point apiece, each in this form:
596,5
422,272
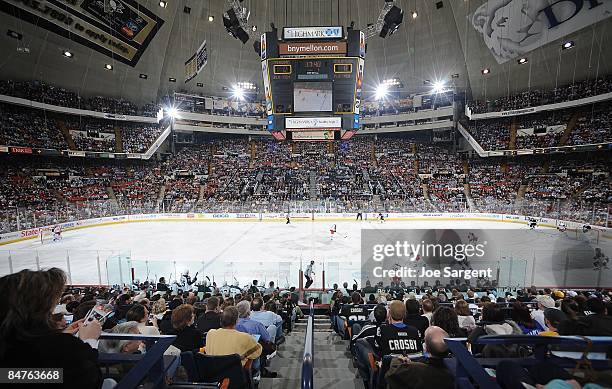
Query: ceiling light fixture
108,66
567,45
211,18
163,4
522,61
485,71
67,54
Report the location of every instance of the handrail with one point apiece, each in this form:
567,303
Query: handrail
468,367
149,365
307,362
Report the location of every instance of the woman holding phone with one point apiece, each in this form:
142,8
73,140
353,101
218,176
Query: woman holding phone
30,338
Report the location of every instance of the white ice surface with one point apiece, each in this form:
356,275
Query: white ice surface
260,250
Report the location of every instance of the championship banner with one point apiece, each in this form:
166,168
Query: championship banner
513,28
310,48
120,29
267,89
195,64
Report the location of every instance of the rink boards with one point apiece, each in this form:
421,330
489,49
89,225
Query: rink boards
33,233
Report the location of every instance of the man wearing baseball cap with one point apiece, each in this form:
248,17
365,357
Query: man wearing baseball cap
544,302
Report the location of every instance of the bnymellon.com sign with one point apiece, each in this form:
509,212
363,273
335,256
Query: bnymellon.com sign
122,29
511,28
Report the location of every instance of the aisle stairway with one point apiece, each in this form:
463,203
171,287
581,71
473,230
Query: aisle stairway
332,365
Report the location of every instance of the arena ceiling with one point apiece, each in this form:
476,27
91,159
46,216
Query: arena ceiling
438,43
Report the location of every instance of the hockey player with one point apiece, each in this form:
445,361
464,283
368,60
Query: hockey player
600,260
562,227
57,233
186,280
381,217
332,231
533,223
472,238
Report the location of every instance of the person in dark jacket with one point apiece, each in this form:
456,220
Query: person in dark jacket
211,319
188,338
414,317
28,337
428,373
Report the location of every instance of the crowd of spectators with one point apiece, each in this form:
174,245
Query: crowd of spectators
546,129
45,93
364,174
405,326
408,324
536,97
29,128
55,328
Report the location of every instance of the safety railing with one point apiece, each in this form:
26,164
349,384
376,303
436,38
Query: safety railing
152,366
308,361
470,371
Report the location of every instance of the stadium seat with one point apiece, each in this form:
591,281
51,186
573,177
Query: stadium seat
226,370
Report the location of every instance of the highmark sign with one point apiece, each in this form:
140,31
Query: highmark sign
313,32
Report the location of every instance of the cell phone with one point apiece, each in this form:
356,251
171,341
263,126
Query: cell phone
68,319
97,313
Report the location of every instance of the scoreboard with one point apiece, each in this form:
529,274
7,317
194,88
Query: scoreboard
316,84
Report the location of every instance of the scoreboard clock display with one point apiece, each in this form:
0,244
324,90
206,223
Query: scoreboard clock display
313,69
332,80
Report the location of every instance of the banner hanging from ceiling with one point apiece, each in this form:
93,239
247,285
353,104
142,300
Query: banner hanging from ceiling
195,64
511,28
120,29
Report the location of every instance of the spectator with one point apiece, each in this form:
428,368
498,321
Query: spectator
431,373
270,320
553,318
140,314
28,336
248,325
493,323
362,343
396,338
211,318
447,319
227,340
187,337
428,309
414,318
116,346
544,302
464,316
522,317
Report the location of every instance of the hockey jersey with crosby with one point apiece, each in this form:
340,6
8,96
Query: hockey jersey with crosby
398,339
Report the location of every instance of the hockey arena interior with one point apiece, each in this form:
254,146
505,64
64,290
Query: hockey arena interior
299,194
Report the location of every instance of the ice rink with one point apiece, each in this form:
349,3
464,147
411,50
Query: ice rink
231,252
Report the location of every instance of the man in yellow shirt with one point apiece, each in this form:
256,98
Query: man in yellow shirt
227,340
